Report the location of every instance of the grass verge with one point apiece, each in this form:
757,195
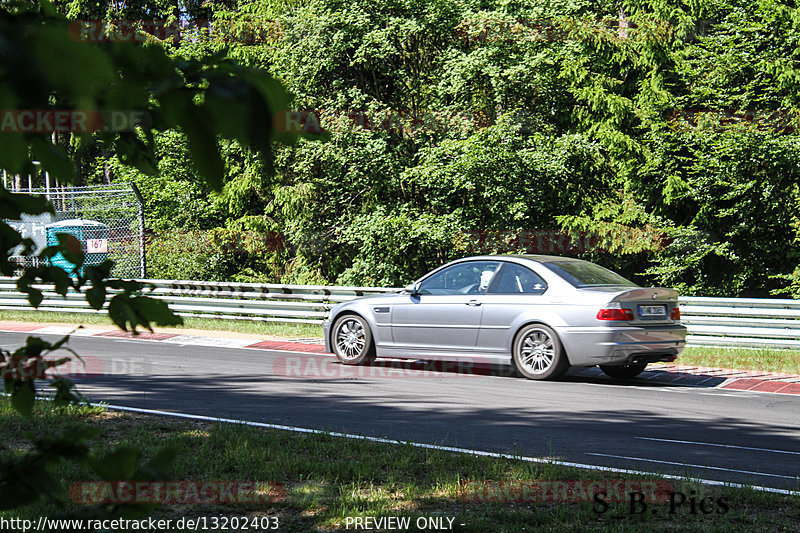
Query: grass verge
277,329
330,481
765,359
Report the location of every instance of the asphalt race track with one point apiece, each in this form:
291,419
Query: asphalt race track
715,434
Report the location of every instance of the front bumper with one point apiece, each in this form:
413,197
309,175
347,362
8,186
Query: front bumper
621,345
326,330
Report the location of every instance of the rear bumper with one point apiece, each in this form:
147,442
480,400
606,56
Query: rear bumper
620,345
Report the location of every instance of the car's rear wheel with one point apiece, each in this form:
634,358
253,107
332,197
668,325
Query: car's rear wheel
352,340
624,371
538,354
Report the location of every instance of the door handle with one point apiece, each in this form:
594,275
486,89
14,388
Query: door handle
473,303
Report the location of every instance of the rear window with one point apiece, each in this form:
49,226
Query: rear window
585,274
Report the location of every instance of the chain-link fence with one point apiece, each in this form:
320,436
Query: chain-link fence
107,219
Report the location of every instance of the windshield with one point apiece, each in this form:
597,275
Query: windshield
585,274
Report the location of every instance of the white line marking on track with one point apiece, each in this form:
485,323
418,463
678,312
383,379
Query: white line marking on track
687,464
186,340
211,345
55,330
481,453
719,445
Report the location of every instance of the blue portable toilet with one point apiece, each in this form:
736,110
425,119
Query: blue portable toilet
92,235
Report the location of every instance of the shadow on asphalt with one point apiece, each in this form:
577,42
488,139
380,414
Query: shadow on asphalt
515,416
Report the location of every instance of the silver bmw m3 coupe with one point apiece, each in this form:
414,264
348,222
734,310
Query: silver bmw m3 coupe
540,313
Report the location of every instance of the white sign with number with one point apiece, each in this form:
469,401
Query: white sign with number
96,246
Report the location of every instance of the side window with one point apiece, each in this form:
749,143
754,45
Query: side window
472,277
516,279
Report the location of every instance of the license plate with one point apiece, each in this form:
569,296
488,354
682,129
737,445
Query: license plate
652,311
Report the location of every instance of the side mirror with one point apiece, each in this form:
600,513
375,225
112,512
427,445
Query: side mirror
412,289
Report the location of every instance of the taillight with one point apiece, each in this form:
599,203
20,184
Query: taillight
675,313
614,313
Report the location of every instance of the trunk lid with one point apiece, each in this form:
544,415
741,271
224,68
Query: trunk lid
649,305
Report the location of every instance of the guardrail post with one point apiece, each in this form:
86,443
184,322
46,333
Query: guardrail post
142,245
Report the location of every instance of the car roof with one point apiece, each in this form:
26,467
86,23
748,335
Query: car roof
547,258
531,257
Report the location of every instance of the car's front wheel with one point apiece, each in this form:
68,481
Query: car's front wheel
624,371
352,340
538,354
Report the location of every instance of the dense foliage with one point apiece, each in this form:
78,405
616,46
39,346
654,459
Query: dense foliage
665,129
218,106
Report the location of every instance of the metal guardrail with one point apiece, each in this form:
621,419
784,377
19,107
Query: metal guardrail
768,323
207,299
752,322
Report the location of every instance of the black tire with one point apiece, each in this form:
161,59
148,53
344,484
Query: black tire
623,371
351,340
538,354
